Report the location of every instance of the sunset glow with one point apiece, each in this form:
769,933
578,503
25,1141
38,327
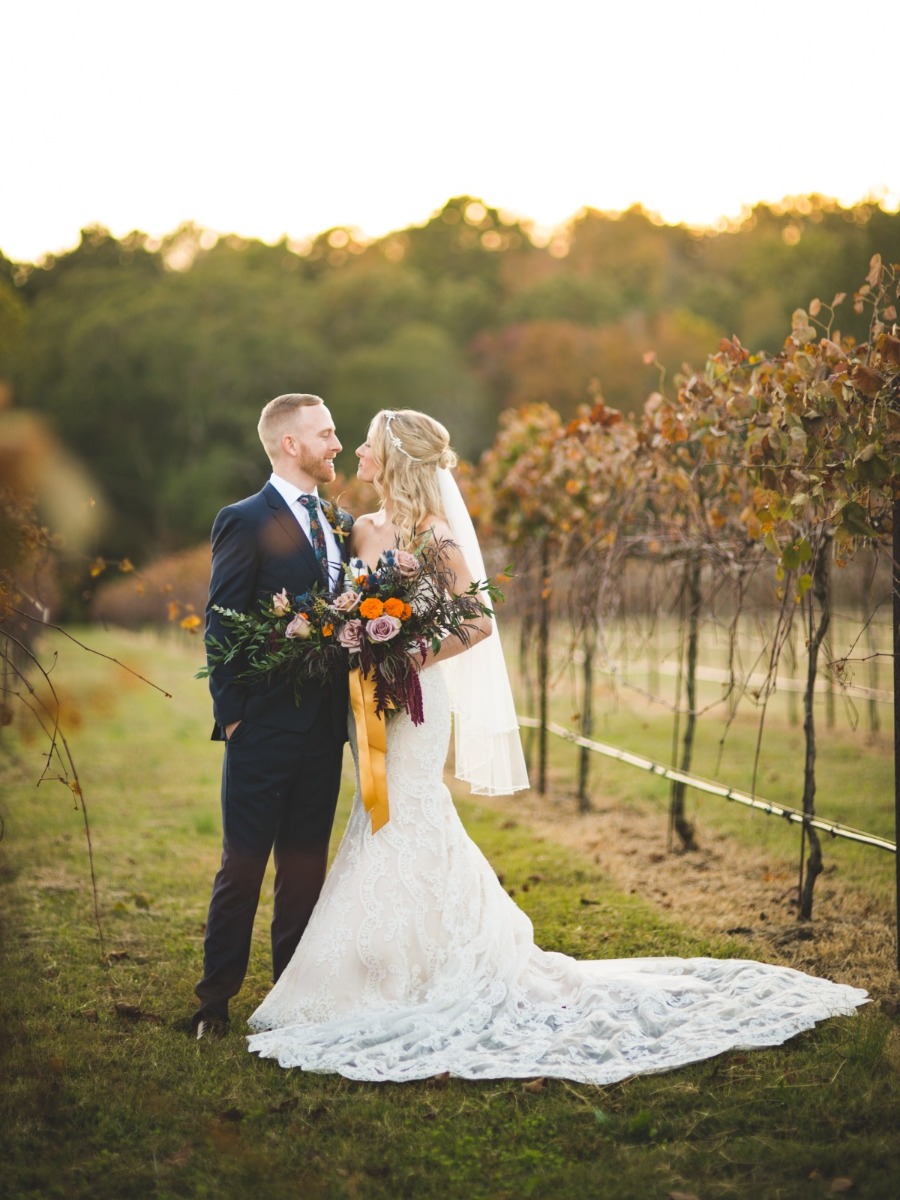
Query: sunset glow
288,118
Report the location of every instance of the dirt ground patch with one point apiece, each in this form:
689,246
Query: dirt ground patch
732,890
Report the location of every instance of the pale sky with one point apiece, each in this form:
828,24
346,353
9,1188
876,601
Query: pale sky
274,117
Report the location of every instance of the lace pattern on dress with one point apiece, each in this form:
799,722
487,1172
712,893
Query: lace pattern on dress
416,962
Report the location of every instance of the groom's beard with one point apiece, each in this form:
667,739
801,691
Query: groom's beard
315,465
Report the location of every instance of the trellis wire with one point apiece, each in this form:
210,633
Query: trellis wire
791,815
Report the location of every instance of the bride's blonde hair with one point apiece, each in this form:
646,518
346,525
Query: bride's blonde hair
408,447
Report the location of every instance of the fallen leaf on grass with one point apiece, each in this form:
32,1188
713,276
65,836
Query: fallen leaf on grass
683,1196
131,1012
534,1085
440,1080
841,1184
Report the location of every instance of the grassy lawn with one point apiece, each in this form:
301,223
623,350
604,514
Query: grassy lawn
105,1095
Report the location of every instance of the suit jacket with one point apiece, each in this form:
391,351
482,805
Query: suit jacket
258,548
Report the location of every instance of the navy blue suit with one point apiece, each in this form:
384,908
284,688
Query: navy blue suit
282,767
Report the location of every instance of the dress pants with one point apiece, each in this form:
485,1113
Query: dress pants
279,791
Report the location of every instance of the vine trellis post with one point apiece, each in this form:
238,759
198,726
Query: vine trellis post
818,597
544,663
587,709
694,597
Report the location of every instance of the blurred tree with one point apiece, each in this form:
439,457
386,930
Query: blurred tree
153,356
419,367
367,302
466,239
13,316
147,380
539,362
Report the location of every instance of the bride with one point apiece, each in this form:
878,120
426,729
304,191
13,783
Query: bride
416,961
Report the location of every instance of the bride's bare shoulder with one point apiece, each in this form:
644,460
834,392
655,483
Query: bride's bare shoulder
367,537
437,526
369,520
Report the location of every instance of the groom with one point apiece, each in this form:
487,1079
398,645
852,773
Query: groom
282,764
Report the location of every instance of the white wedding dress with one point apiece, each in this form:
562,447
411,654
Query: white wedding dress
417,962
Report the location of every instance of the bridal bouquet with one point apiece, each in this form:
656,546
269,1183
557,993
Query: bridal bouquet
402,606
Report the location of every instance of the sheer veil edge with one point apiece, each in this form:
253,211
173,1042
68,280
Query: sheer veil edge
488,748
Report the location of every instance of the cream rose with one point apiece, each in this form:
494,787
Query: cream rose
281,604
299,627
346,602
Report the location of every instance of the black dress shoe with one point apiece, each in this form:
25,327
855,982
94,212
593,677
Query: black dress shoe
210,1028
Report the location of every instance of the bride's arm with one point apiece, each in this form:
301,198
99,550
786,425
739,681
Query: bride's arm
459,580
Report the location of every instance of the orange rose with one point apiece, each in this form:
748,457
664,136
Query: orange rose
407,612
371,608
327,630
394,607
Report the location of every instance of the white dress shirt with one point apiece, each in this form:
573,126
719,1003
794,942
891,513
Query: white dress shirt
291,494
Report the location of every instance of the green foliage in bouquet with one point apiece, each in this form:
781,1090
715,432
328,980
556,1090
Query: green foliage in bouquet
384,622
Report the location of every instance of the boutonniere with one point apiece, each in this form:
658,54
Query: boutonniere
339,519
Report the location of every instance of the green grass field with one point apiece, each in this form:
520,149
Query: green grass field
105,1095
855,784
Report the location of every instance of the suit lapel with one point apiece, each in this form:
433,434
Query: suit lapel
291,526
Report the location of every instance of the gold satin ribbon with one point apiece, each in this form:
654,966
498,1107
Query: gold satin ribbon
371,739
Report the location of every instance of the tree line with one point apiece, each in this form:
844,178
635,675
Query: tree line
152,358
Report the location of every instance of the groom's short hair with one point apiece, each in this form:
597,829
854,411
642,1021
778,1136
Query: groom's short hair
277,413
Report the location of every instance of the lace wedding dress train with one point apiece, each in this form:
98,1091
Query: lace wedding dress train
417,962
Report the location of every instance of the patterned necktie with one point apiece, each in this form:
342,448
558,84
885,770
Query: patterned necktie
317,534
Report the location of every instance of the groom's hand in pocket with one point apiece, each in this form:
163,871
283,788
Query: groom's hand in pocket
229,730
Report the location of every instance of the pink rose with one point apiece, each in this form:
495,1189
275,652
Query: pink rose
281,605
405,564
382,629
346,602
350,636
299,627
